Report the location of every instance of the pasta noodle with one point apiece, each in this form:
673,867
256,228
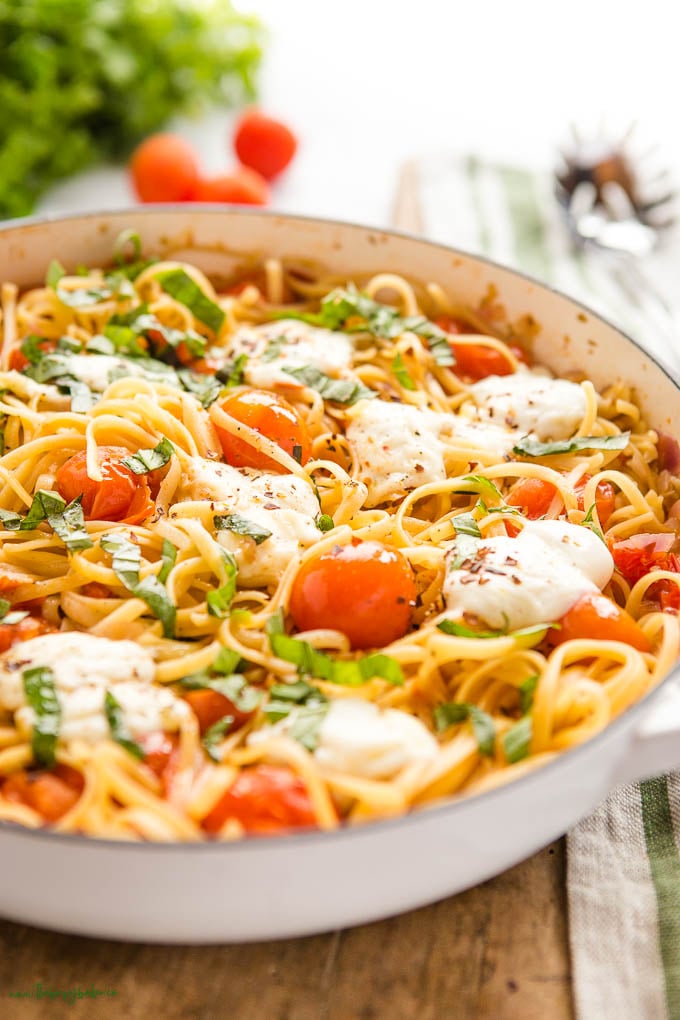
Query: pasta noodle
290,551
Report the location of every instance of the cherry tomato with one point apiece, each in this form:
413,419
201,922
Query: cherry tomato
666,594
477,361
24,630
264,144
274,418
164,168
366,590
242,186
161,755
51,793
18,360
605,498
532,496
636,556
211,706
265,799
120,496
596,616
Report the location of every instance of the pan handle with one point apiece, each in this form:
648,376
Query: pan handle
655,745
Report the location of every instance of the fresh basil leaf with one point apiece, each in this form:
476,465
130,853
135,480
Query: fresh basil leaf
353,673
228,661
118,727
118,340
275,624
242,526
342,391
589,522
517,740
233,372
69,525
41,695
150,460
69,345
157,599
55,271
127,238
306,724
400,372
456,629
244,697
182,288
9,617
527,689
126,561
528,447
324,522
215,734
5,607
168,558
31,349
479,483
10,520
298,693
465,524
483,725
206,388
219,600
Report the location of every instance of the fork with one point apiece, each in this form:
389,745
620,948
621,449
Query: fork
611,211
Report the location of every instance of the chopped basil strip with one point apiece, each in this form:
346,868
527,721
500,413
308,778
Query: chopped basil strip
125,329
324,522
41,695
306,724
118,727
206,388
235,688
242,526
233,372
179,285
480,483
31,349
517,740
125,238
457,629
483,725
227,661
126,561
67,521
311,662
527,689
214,735
344,304
150,460
168,558
465,524
342,391
219,599
55,271
400,372
589,522
8,617
528,447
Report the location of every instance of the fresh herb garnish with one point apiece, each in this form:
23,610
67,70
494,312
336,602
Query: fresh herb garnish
182,288
527,689
311,662
215,734
324,522
66,520
219,599
483,725
55,271
479,483
589,522
456,629
517,740
150,460
232,373
126,561
168,558
342,391
41,694
118,727
528,447
400,372
206,388
465,524
234,687
273,349
7,617
242,526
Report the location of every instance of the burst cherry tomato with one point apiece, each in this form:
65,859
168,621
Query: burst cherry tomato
534,496
121,495
264,144
595,616
211,706
242,186
274,418
366,590
51,793
636,556
265,799
24,630
477,361
164,168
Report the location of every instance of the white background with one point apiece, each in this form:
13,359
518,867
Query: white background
369,83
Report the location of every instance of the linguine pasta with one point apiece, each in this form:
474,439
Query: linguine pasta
168,665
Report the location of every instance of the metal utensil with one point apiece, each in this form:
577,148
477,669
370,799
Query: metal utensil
621,209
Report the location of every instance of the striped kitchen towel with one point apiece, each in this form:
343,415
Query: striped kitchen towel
623,862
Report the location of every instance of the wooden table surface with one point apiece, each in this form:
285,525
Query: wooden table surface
497,952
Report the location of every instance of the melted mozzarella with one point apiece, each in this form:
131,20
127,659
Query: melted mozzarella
84,668
98,370
284,504
528,402
359,738
534,578
275,346
399,447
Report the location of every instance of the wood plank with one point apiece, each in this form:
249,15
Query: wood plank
497,952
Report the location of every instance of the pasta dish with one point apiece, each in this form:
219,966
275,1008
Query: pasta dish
290,551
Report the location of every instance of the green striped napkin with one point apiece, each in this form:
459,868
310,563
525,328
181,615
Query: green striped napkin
623,862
